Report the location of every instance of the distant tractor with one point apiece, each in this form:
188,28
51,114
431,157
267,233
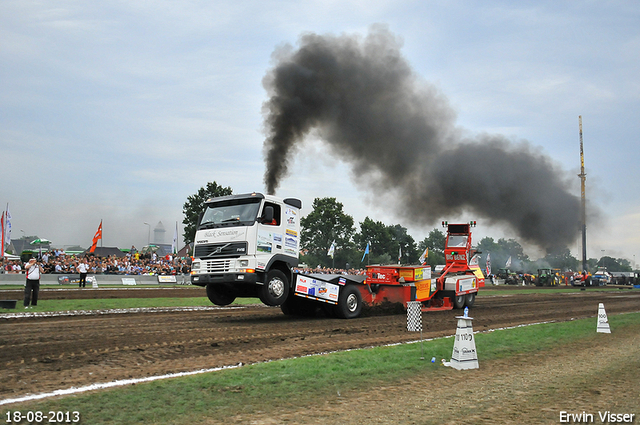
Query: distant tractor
510,278
548,277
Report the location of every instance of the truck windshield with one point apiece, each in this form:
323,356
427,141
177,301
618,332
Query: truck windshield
241,211
457,241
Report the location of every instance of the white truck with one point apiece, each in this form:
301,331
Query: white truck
246,246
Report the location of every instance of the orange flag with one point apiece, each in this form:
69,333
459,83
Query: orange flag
96,238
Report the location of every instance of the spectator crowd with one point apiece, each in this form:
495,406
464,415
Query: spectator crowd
324,270
133,263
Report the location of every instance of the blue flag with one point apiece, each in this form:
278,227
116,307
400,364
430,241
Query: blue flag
366,251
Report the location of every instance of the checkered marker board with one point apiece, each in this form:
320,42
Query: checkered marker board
414,316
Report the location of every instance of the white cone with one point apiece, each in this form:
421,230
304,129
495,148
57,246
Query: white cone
464,354
603,322
93,280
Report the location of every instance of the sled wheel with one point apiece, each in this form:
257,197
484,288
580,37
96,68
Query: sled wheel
470,299
458,301
349,303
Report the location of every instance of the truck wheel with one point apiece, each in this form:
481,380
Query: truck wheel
275,289
218,296
288,307
458,301
349,303
470,299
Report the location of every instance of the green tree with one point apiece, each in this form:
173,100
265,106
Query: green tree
488,247
562,259
380,240
615,265
195,205
501,251
321,227
435,242
406,243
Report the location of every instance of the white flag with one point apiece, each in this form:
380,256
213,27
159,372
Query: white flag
508,262
174,245
7,229
2,237
332,249
424,256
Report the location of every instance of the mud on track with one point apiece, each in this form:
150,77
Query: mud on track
40,354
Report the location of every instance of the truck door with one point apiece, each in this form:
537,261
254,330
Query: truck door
270,237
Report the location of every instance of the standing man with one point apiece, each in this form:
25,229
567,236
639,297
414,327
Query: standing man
32,287
82,268
185,273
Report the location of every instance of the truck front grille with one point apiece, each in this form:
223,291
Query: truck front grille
217,266
235,249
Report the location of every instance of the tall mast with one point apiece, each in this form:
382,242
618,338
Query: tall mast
583,178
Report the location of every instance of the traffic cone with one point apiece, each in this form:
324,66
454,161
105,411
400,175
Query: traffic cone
603,322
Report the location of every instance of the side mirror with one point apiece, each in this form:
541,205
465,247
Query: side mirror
267,215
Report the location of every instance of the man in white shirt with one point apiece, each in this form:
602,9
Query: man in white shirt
32,287
82,268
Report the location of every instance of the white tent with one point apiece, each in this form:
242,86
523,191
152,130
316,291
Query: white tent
10,257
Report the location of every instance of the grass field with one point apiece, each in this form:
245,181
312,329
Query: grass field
120,303
285,384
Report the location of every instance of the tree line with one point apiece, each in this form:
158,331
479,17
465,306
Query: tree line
327,224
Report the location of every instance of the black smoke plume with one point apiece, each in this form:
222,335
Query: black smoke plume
398,132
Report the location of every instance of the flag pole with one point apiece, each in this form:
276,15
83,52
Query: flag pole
175,241
5,218
2,243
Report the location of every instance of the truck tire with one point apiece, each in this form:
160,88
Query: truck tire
470,299
218,296
289,307
349,303
275,289
458,301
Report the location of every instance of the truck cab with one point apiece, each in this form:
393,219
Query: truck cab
245,246
461,276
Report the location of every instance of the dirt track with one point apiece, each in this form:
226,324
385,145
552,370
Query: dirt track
40,354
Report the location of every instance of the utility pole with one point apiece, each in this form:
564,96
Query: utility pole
148,234
583,178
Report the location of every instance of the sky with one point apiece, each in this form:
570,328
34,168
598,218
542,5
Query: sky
118,111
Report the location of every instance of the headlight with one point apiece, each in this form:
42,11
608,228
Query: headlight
243,263
195,265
